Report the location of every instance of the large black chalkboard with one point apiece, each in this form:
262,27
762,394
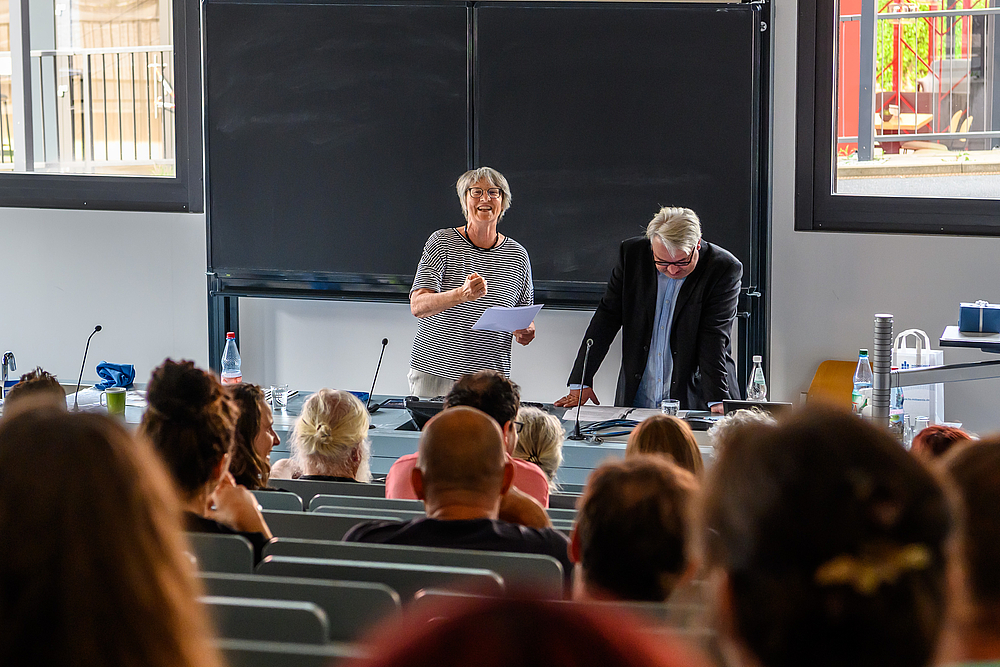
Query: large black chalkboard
336,131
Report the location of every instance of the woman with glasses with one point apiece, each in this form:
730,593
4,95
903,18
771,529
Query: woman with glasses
462,272
673,295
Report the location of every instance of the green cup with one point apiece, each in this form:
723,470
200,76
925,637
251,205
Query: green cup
115,400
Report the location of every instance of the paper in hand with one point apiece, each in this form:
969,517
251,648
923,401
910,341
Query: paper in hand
499,318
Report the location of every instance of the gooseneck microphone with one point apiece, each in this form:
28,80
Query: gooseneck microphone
76,396
579,398
371,410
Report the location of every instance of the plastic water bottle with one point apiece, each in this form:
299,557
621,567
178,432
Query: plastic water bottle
231,373
861,397
757,388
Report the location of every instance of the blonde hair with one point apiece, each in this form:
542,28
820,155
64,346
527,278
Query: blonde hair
664,434
540,441
491,176
678,228
333,424
723,430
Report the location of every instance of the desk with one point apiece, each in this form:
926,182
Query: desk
908,123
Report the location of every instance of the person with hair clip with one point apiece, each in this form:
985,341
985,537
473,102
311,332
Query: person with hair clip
329,441
190,421
94,571
826,545
254,437
666,435
540,442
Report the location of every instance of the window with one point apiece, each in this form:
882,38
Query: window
899,116
100,104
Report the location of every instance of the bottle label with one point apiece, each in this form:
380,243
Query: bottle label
232,379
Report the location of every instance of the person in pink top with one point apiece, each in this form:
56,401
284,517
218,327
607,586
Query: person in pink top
500,398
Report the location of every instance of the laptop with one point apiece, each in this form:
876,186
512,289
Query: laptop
774,408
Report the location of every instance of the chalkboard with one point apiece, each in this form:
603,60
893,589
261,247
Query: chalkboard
336,131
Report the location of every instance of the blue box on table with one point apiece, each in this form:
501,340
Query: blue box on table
979,317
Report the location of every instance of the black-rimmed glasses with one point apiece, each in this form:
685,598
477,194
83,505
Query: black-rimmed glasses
679,263
518,426
494,193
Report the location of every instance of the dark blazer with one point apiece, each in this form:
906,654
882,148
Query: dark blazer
704,371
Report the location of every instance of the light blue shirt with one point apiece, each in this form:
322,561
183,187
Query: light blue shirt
655,384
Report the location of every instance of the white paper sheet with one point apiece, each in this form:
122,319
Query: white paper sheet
597,413
499,318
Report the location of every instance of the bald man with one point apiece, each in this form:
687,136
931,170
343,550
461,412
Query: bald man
461,475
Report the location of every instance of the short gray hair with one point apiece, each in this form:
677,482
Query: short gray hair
492,176
678,228
723,430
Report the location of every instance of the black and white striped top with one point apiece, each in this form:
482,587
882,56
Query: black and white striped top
445,344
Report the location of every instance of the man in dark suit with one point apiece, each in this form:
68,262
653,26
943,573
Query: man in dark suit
674,297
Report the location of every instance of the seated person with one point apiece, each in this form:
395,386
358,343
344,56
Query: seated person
973,636
722,430
93,572
329,441
665,435
936,439
34,388
630,541
254,437
498,397
462,472
827,545
540,441
190,421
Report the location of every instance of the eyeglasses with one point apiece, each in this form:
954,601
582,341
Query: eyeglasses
679,263
518,426
477,193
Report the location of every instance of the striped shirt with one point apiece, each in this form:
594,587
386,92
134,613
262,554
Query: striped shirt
445,344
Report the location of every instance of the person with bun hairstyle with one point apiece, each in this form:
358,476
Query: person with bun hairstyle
190,421
254,438
540,441
329,441
665,435
826,544
93,572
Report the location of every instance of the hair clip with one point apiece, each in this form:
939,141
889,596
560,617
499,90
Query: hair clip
867,573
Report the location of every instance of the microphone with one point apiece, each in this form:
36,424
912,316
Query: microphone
76,396
371,410
579,402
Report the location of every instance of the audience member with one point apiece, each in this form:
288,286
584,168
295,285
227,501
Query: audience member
461,474
190,421
973,636
665,434
631,536
826,544
498,397
254,437
935,440
540,441
721,431
494,632
93,572
35,388
329,441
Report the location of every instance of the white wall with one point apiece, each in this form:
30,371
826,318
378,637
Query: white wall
139,275
826,288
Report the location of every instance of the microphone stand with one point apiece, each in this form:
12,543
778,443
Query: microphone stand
76,396
385,341
577,435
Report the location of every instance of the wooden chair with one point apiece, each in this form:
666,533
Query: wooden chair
269,620
833,383
278,500
933,146
222,553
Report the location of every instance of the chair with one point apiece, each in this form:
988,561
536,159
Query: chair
406,579
562,501
397,515
960,143
571,489
222,553
278,500
366,502
250,653
542,574
316,526
561,513
833,383
351,607
932,146
269,620
307,488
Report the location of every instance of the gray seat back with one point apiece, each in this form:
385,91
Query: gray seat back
364,501
351,607
399,515
314,526
562,501
560,513
269,620
278,500
307,488
542,575
406,579
251,653
222,553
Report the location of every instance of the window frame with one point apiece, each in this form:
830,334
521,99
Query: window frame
184,192
816,207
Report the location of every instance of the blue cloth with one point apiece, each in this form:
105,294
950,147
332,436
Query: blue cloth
655,383
115,375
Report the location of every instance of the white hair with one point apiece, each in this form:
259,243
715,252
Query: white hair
678,228
723,429
491,176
